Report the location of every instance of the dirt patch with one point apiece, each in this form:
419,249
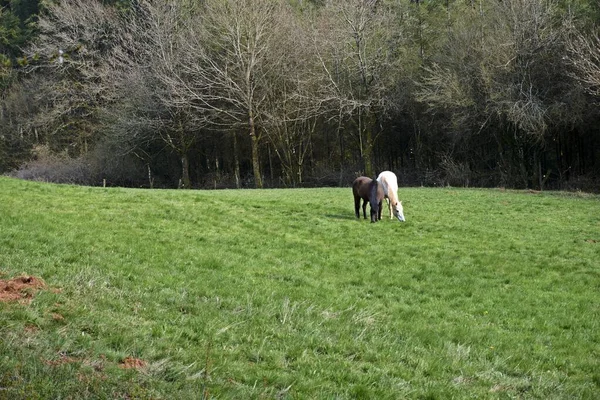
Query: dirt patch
20,289
57,317
61,360
131,362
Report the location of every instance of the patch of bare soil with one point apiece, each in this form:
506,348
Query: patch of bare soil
61,360
131,362
20,289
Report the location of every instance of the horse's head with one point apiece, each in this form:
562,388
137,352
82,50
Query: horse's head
374,212
398,211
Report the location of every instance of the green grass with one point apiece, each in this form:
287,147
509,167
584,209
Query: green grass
284,294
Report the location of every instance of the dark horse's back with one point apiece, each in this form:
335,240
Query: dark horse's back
360,187
369,190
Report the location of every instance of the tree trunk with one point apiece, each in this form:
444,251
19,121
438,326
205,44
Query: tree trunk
271,167
368,157
150,177
299,173
368,146
342,151
258,183
537,169
185,171
236,162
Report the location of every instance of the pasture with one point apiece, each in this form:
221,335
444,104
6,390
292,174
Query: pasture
281,294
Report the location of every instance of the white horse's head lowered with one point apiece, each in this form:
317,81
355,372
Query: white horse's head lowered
398,211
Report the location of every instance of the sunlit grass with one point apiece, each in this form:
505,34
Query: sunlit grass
284,294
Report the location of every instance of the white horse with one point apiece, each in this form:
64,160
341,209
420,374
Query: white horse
389,181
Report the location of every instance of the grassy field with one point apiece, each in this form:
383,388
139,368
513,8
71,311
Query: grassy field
280,294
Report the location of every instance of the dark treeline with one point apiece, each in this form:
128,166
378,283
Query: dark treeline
273,93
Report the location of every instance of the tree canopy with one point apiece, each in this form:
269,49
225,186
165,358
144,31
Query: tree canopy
224,93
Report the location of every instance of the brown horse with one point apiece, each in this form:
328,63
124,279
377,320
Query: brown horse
369,190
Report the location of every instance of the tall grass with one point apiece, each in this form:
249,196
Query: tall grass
284,294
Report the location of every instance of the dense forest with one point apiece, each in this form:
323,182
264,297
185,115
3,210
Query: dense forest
287,93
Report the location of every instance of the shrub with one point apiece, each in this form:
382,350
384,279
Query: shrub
57,168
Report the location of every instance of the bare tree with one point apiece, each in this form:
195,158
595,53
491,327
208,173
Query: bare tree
357,46
75,41
584,53
90,54
293,106
159,31
509,73
226,56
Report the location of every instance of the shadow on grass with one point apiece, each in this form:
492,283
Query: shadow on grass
340,216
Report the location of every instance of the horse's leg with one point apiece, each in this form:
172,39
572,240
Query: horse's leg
389,203
357,206
380,210
365,208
